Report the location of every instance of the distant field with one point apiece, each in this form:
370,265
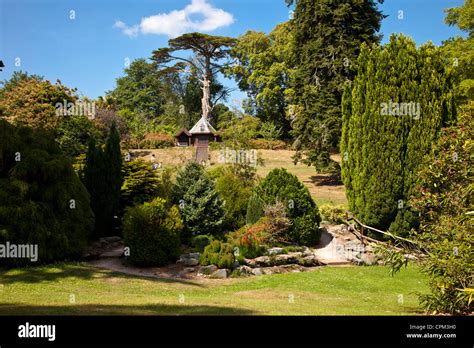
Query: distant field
323,188
354,290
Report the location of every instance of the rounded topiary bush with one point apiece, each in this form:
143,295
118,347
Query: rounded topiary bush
152,233
42,200
280,185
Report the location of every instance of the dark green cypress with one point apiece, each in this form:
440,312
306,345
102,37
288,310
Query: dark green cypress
381,153
113,174
103,179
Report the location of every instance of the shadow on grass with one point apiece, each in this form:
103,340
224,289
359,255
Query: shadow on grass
140,153
331,179
99,309
56,272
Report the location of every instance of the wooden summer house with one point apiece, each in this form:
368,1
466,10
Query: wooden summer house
199,136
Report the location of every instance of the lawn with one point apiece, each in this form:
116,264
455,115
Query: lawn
324,188
354,290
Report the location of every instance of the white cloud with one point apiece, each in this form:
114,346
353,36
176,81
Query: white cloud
178,22
130,31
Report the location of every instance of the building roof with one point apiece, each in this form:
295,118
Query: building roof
203,127
181,131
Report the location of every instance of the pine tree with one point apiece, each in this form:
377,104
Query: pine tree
391,115
327,36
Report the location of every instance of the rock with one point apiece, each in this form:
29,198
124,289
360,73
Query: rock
189,270
190,256
263,261
257,271
287,259
245,270
274,251
207,270
112,239
368,259
307,252
221,273
268,270
250,263
194,256
189,262
354,245
309,261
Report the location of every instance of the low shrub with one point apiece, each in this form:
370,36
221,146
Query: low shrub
152,232
333,213
157,141
218,253
306,230
250,240
201,241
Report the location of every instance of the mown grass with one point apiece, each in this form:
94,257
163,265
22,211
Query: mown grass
323,188
326,291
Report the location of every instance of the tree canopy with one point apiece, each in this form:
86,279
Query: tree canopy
208,52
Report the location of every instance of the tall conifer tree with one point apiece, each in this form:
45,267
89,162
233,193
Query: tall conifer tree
394,111
103,179
327,36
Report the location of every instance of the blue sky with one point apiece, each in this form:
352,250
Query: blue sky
90,51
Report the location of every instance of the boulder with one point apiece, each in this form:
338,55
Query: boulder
263,261
368,259
194,256
190,262
189,270
288,258
257,271
221,273
309,261
274,251
245,270
271,270
250,263
207,270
